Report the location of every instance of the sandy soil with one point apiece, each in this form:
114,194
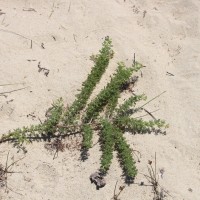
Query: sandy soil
165,35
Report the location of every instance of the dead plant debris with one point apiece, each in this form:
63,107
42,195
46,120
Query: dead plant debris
98,179
4,171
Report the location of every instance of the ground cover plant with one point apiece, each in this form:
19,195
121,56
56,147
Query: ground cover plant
103,115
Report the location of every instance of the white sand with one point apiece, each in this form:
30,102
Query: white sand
165,36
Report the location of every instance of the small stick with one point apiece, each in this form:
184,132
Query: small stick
52,10
141,107
151,100
2,13
15,162
7,31
115,196
12,32
133,151
14,191
2,93
115,189
29,9
55,154
40,120
147,114
12,84
155,168
170,74
42,45
95,144
141,74
69,6
134,59
74,37
144,13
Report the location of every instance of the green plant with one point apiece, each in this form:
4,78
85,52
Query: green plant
87,136
124,109
106,95
103,115
101,62
125,155
139,125
48,127
107,145
111,137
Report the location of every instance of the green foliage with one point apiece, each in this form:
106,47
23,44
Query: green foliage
113,100
139,125
125,155
137,66
101,63
124,109
20,135
115,119
112,88
111,137
55,113
112,103
48,127
107,145
87,136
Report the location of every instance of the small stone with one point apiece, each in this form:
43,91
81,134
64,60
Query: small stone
142,183
190,189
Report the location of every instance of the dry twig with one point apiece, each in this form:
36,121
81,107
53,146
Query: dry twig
116,196
69,6
12,32
29,9
3,93
153,179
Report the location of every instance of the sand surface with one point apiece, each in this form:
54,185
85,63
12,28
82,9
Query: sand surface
164,35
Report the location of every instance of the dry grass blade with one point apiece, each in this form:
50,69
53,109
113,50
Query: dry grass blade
147,114
4,171
116,196
153,179
2,93
22,36
151,100
7,84
137,154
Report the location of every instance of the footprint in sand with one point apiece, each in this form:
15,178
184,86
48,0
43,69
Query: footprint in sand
47,177
6,110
